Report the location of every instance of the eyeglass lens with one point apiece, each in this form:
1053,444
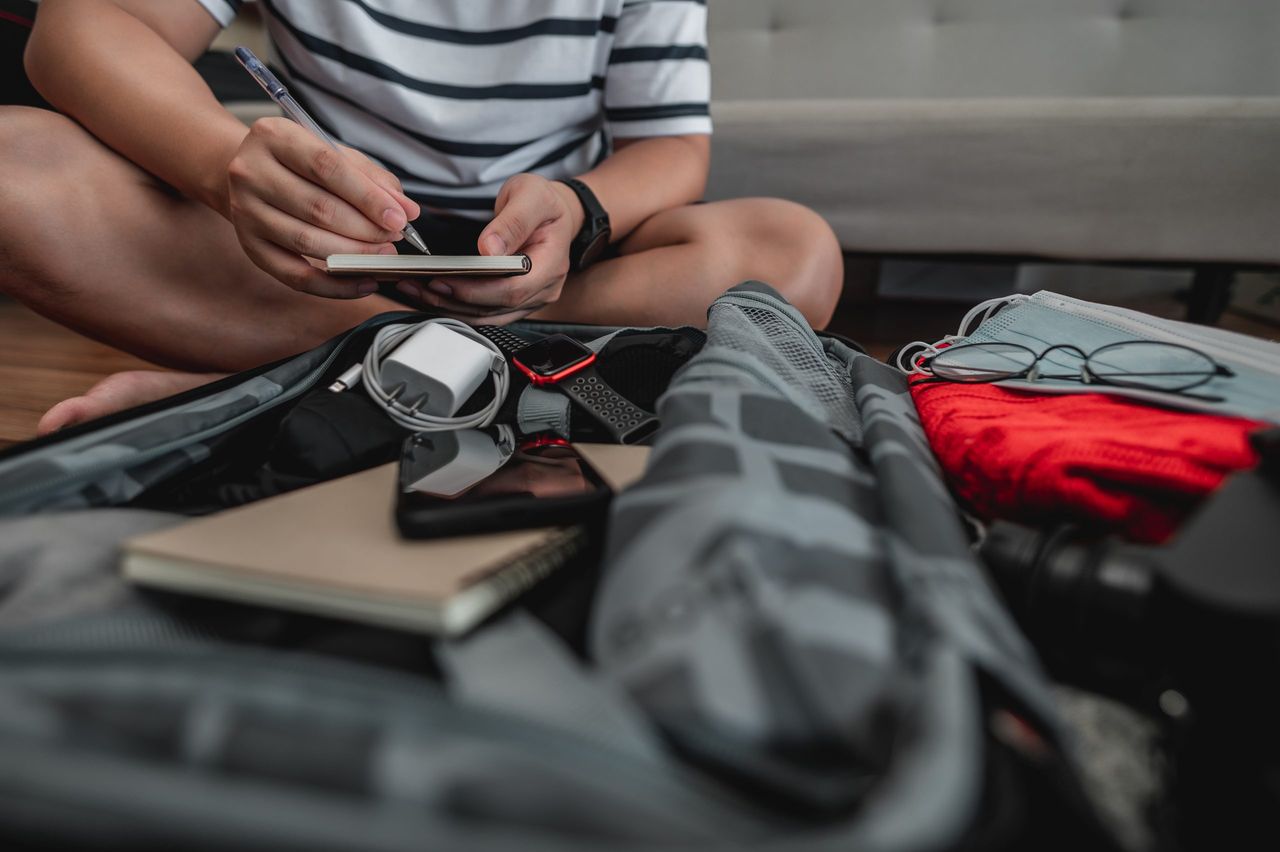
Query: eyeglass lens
1148,364
1144,364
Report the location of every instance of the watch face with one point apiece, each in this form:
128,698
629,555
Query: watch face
553,358
594,249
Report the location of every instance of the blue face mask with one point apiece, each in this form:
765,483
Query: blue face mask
1046,319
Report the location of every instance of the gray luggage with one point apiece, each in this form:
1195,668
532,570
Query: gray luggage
786,644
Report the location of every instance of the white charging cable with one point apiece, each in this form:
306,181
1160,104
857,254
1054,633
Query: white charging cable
401,406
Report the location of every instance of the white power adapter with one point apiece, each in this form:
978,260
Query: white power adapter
436,370
421,373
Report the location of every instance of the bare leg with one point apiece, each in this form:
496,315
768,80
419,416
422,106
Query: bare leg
94,242
675,264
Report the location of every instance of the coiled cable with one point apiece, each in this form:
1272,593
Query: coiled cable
406,415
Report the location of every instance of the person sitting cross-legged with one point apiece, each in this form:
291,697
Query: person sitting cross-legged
145,215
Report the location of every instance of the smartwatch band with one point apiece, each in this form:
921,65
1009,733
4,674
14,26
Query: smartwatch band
625,421
594,235
502,337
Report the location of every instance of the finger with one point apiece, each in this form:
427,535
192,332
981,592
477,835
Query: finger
546,270
491,295
386,180
302,276
469,317
524,204
310,158
410,290
460,308
411,208
451,306
304,200
303,238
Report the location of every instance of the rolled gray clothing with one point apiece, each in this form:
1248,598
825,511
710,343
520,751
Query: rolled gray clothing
789,589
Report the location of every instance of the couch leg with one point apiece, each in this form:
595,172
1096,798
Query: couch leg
1210,294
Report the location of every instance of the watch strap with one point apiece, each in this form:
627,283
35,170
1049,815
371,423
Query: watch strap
625,421
543,410
505,339
594,223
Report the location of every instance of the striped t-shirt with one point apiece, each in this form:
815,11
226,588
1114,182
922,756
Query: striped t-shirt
456,96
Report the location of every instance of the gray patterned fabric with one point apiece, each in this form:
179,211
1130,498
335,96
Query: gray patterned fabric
780,601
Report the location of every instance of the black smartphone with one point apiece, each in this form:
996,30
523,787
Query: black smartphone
471,481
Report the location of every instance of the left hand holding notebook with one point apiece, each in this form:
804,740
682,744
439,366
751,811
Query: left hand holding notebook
535,217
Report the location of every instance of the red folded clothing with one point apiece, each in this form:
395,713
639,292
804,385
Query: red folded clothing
1114,464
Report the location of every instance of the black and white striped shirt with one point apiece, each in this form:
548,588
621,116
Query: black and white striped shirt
456,96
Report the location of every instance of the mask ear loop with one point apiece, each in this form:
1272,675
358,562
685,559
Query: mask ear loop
920,350
987,309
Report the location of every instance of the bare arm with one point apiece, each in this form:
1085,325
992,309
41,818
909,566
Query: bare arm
642,177
540,218
122,68
647,176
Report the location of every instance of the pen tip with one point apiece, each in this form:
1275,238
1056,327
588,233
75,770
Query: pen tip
414,240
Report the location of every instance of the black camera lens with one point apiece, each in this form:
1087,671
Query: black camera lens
1085,605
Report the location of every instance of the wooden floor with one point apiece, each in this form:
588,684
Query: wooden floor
42,363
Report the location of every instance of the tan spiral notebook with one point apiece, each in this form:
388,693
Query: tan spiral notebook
332,549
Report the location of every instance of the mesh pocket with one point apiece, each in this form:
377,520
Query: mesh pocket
795,354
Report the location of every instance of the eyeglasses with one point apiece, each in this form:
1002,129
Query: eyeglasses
1145,364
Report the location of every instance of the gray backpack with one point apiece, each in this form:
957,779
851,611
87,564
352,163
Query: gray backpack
784,643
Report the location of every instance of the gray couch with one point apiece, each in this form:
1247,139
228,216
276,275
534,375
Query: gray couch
1115,130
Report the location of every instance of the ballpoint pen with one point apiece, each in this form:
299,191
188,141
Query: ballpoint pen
278,93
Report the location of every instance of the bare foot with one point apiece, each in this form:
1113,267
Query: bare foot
118,392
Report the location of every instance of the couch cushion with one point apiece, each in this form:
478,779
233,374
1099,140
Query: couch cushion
1084,129
781,49
1103,179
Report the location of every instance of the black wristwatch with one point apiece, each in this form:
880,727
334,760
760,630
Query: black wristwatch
569,365
593,239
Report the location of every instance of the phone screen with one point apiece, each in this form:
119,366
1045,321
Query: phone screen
553,354
471,480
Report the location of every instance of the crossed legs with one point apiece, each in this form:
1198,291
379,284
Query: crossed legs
97,244
92,241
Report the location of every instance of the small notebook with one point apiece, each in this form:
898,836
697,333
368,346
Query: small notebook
332,549
390,266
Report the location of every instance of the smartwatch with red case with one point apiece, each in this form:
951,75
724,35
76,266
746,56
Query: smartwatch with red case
569,365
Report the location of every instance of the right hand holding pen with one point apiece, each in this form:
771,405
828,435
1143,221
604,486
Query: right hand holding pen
291,197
